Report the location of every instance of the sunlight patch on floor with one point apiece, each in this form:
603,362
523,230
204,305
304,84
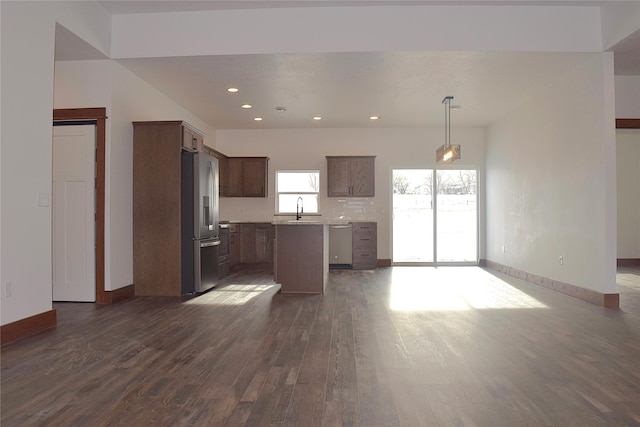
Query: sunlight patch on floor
231,294
453,289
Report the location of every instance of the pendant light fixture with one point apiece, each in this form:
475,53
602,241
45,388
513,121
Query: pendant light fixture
447,153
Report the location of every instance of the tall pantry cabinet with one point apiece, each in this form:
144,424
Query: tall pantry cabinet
157,150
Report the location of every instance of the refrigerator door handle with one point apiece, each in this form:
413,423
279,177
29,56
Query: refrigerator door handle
206,211
210,244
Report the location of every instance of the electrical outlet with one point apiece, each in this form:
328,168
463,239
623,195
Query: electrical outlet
8,288
561,260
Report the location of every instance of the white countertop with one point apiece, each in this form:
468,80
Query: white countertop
312,222
317,220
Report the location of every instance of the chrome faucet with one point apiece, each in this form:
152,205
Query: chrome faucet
299,208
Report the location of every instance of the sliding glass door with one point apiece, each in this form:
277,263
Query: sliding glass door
435,218
457,216
413,240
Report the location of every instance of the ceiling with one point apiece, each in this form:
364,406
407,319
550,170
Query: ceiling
117,7
404,89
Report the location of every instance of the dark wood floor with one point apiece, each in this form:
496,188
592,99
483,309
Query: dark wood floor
403,346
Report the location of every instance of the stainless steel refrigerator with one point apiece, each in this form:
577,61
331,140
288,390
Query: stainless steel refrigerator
199,214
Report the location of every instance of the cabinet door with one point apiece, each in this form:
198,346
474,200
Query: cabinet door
223,169
254,173
264,243
247,243
191,141
198,141
362,176
234,248
338,184
233,187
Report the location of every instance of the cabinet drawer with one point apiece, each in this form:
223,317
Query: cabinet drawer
364,237
364,231
365,245
364,259
234,228
364,227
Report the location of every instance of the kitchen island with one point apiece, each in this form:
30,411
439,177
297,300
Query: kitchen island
301,252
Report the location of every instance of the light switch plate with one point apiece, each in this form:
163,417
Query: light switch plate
43,199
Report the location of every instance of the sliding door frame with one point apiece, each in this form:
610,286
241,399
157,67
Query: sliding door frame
434,196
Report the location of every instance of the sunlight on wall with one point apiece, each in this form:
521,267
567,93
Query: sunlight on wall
453,289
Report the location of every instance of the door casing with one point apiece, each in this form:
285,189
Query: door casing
100,116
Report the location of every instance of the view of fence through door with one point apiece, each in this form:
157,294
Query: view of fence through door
434,216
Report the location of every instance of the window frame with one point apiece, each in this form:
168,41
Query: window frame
278,193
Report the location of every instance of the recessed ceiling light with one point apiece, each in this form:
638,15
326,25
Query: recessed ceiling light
317,118
281,109
232,89
246,106
374,117
257,119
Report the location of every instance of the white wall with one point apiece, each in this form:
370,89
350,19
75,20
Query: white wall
105,83
619,20
627,97
628,168
83,83
27,37
358,29
628,182
307,148
551,181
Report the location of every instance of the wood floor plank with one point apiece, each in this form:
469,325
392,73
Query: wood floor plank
398,346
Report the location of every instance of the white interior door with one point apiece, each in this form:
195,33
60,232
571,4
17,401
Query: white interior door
74,213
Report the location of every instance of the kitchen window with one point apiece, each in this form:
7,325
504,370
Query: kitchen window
293,184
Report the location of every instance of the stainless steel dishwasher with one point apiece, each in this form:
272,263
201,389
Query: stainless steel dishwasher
340,246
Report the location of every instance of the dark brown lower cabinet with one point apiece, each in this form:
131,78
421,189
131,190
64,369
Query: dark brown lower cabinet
264,243
234,244
251,243
365,245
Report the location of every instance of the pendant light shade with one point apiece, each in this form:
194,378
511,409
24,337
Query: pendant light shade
447,153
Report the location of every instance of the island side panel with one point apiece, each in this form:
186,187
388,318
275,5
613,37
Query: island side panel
325,256
302,258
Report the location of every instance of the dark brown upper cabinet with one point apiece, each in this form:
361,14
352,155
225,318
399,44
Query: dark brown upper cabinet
351,176
245,177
